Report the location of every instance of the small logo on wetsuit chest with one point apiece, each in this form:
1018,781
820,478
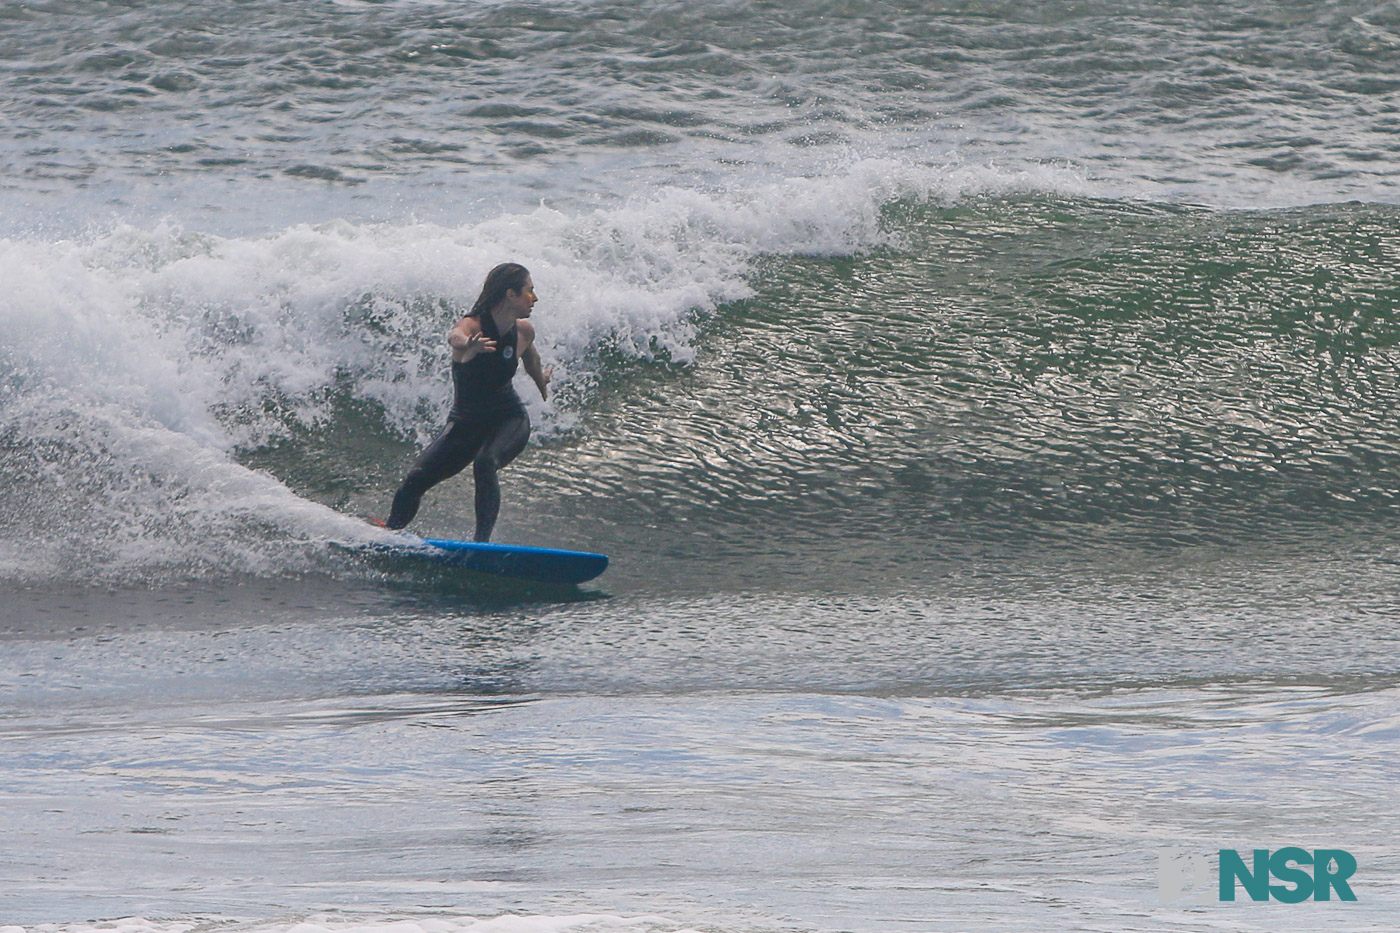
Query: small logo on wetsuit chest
508,352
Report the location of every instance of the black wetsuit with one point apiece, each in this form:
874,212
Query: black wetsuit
488,426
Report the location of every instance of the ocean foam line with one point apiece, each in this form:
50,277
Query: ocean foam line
336,923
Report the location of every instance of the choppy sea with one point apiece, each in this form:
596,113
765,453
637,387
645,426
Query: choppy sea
990,410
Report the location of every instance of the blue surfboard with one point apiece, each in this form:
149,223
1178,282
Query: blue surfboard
518,562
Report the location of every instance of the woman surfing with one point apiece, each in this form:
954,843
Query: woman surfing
488,425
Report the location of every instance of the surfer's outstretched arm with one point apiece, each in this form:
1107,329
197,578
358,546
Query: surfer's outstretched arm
467,340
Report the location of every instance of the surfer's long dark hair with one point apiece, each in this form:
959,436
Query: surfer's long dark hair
507,277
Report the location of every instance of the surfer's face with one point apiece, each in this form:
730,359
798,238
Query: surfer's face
524,299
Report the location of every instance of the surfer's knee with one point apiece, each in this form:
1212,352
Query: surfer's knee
417,482
508,444
485,467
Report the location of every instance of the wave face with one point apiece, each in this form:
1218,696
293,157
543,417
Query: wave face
1042,371
1028,370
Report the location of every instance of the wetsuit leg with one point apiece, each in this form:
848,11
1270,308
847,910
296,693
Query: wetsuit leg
504,445
445,457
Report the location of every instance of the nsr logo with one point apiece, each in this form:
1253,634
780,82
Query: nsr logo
1183,876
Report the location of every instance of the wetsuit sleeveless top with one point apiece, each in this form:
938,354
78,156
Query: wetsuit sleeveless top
482,385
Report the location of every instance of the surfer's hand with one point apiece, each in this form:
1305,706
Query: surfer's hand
478,343
543,382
